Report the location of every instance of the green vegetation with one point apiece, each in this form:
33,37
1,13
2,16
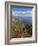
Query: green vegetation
20,29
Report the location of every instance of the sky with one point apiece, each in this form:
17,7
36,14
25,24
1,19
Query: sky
16,10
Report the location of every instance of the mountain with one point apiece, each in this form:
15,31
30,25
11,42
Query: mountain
24,19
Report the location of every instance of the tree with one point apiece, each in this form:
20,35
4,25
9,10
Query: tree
17,26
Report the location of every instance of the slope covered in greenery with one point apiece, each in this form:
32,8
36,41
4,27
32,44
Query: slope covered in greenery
19,29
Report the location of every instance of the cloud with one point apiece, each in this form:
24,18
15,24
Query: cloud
16,13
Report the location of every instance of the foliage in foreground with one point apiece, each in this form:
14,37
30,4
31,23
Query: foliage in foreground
20,29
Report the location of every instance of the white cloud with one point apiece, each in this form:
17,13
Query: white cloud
27,13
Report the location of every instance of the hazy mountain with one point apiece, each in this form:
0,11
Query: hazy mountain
24,19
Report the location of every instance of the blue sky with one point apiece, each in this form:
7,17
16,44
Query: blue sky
26,10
